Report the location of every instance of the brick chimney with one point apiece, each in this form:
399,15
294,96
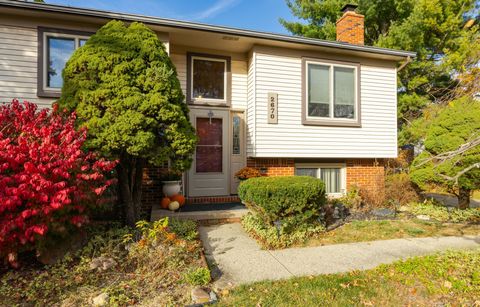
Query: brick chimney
350,27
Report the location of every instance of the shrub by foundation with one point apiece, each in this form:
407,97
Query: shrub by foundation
271,237
289,203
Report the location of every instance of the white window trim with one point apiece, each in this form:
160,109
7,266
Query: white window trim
319,166
46,35
331,84
225,81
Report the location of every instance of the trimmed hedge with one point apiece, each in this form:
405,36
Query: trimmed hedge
295,201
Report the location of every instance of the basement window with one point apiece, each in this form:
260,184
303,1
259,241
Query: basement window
332,174
55,49
331,93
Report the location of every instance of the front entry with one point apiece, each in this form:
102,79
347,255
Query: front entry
209,174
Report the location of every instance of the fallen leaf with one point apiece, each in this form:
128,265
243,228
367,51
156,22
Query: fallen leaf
447,284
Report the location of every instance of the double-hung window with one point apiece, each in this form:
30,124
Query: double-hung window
55,49
208,80
331,93
332,174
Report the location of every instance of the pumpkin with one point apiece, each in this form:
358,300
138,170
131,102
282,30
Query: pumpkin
178,197
174,205
165,202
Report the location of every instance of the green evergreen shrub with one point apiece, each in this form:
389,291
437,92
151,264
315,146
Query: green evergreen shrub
294,201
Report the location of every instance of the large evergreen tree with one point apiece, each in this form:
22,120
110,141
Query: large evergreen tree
125,90
452,151
440,31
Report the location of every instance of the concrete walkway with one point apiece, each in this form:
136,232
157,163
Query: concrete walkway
239,259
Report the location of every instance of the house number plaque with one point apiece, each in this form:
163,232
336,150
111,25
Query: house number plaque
272,108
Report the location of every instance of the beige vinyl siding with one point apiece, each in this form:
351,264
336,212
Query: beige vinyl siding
377,137
18,58
18,65
250,118
180,62
239,84
239,79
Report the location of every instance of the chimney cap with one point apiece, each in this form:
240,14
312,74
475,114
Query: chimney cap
349,8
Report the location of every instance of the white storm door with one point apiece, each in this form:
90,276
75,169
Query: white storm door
209,174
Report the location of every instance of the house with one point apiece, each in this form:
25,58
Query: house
283,104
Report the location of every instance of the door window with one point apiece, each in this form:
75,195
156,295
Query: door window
209,158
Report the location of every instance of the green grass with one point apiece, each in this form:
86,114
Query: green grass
361,231
451,278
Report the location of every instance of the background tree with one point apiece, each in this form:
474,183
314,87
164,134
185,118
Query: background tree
452,151
125,90
440,31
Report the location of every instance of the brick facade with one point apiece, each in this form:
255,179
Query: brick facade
350,28
365,173
151,189
368,174
273,166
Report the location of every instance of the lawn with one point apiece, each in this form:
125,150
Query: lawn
361,231
153,265
441,222
451,278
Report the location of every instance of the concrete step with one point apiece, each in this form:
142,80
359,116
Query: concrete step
204,217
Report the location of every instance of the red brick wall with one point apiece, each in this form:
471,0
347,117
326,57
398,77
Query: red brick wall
368,174
151,189
273,166
350,28
365,173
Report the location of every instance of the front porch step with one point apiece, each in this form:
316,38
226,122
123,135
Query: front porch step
206,214
212,199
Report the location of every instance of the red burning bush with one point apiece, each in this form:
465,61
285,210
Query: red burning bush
48,183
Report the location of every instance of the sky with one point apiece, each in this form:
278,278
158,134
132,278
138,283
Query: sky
261,15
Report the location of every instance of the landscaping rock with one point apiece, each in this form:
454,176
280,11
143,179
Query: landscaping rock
384,213
100,300
200,295
335,214
423,217
102,263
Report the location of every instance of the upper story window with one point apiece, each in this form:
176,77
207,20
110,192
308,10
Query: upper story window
331,95
55,48
208,80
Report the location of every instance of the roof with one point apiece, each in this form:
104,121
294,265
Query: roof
201,27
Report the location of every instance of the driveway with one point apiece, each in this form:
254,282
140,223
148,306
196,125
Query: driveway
450,200
239,259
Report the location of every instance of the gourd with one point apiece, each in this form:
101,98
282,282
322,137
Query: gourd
174,205
180,198
165,202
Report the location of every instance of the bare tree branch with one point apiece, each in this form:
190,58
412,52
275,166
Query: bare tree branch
460,173
440,158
